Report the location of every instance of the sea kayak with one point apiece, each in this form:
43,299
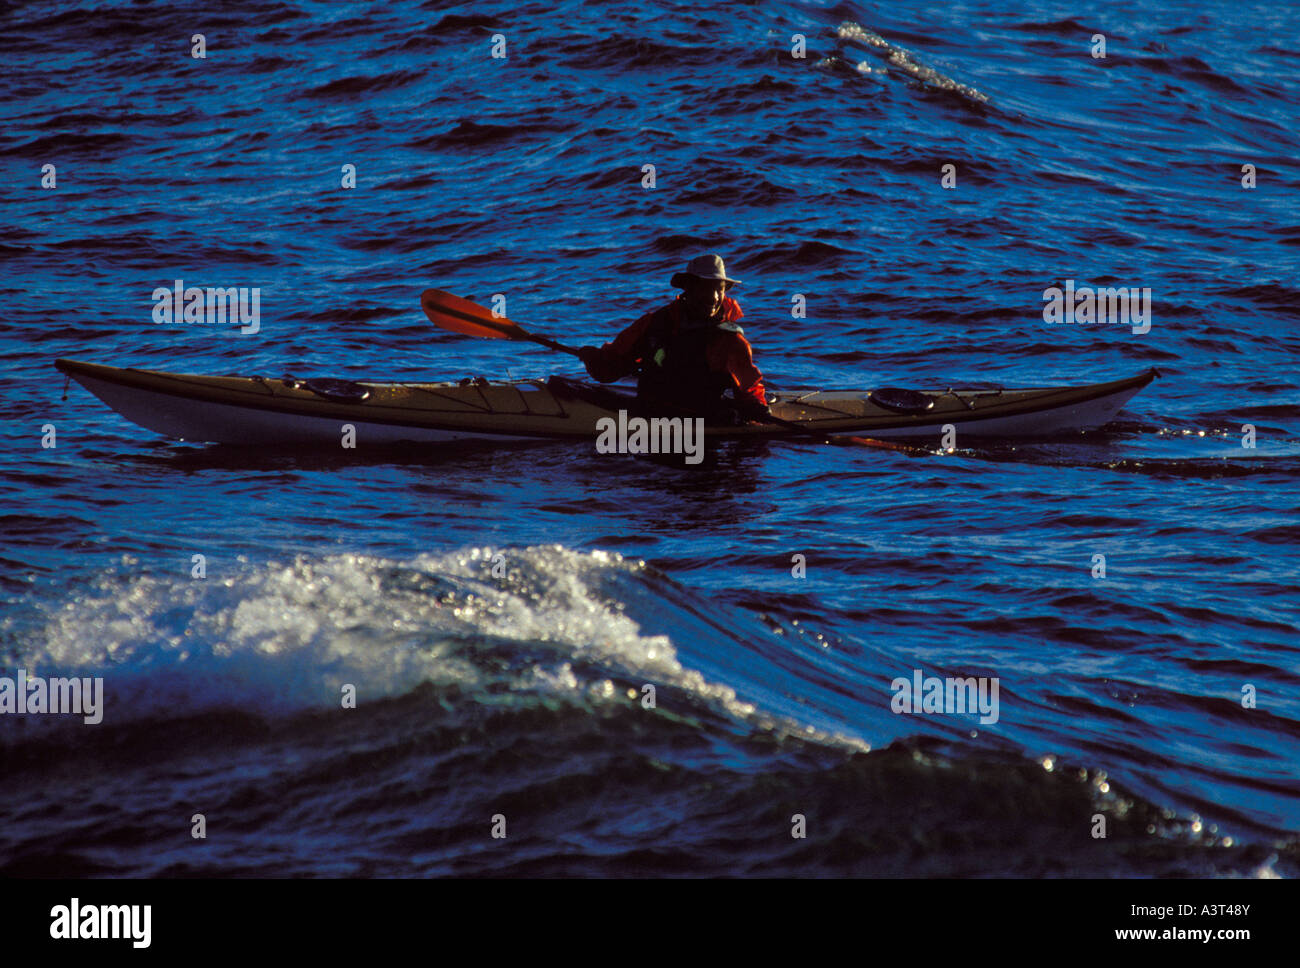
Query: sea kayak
287,410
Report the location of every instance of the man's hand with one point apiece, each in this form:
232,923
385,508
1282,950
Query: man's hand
594,360
751,409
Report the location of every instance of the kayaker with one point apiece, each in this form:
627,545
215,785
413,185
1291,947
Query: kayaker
689,355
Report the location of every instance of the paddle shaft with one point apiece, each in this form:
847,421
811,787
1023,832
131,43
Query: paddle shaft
550,343
840,441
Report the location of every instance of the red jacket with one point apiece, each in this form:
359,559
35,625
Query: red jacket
728,352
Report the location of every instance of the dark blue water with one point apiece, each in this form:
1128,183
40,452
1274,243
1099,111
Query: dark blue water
518,690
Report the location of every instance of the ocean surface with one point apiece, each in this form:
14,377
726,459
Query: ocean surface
502,612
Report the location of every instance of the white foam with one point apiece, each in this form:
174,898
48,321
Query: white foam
277,638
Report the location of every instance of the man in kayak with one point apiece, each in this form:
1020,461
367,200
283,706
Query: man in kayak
690,354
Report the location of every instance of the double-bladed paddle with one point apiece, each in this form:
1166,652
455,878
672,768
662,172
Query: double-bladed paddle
470,319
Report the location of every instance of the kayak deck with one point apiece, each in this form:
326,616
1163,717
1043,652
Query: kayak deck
258,410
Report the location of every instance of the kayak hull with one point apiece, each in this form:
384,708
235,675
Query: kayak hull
255,410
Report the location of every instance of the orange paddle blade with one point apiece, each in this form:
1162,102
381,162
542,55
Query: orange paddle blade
462,316
882,444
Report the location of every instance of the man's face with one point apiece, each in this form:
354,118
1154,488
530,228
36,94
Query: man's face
704,297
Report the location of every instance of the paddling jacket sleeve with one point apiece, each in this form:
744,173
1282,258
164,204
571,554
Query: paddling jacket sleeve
728,352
